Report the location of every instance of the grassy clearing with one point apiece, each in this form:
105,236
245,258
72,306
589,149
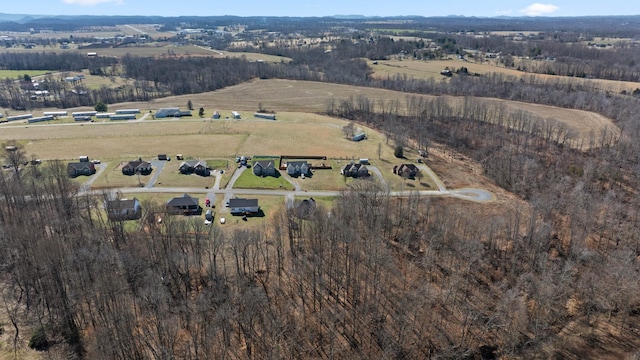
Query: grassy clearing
171,177
269,205
324,179
250,181
15,74
112,177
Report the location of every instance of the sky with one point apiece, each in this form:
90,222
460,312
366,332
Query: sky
323,7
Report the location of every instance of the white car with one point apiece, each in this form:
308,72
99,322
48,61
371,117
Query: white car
223,220
95,161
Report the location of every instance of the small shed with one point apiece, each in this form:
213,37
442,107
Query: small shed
163,157
235,114
216,115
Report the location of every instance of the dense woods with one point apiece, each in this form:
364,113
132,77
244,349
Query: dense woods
552,273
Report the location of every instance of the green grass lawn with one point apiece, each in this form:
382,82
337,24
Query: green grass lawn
250,181
171,177
112,177
269,205
324,179
14,74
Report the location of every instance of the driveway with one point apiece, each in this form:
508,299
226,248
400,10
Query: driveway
157,165
99,169
378,173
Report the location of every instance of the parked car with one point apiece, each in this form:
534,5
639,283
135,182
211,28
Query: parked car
208,217
95,161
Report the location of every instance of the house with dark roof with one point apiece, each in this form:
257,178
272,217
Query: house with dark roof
297,168
264,168
76,169
408,171
355,170
185,205
137,167
123,209
198,167
304,208
238,206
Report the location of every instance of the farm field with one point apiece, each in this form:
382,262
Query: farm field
419,69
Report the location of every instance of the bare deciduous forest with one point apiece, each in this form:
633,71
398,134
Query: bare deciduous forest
553,273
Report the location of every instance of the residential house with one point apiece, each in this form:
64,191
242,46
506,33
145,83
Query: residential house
264,168
137,167
184,204
198,167
304,208
355,170
123,209
76,169
408,171
297,168
243,206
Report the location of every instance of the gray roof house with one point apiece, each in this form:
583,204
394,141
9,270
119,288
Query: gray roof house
123,209
297,168
184,204
243,206
137,166
355,170
75,169
198,167
264,168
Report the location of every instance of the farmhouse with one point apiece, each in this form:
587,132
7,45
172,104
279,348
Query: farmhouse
297,168
137,166
243,206
184,204
354,170
264,168
408,171
123,209
76,169
198,167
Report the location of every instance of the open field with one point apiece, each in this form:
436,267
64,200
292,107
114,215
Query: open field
419,69
294,133
14,74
